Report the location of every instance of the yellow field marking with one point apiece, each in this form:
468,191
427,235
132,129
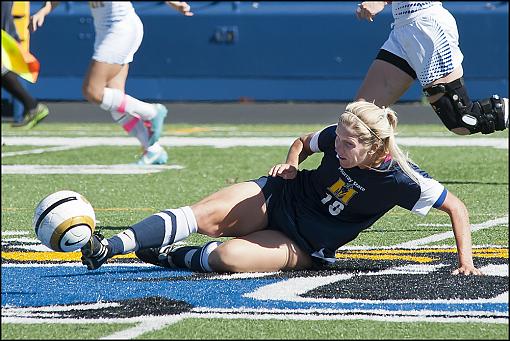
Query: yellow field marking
113,209
189,130
386,257
401,254
51,256
376,255
148,209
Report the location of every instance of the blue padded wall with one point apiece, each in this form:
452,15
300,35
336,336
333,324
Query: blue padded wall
263,51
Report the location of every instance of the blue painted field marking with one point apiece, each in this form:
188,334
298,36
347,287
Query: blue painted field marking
44,286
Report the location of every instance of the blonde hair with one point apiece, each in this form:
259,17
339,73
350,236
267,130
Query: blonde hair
376,128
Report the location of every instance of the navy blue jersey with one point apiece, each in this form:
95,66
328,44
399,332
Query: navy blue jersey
325,208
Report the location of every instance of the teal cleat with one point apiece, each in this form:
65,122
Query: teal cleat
157,123
159,157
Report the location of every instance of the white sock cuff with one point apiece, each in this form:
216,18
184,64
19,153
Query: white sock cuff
190,217
128,241
112,98
205,255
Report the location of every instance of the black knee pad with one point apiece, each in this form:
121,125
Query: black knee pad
456,110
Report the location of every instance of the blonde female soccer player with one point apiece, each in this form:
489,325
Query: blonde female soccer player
119,33
296,219
424,44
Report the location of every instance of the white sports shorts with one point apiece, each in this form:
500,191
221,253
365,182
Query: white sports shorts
429,42
118,43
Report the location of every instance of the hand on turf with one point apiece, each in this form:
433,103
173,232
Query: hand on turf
368,9
467,270
181,6
284,170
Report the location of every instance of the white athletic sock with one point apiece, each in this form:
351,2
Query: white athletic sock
116,100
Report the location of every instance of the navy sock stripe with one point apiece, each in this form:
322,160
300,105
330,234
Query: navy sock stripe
149,232
179,254
196,261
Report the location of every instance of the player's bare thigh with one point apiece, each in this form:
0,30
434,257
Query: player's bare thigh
261,251
234,211
96,79
384,83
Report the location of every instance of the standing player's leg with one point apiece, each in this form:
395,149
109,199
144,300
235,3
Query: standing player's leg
384,82
135,126
33,111
128,111
432,48
449,98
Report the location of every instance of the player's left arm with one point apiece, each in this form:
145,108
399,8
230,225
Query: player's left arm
459,217
181,6
298,152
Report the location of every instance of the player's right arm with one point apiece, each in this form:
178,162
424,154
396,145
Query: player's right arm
459,217
298,152
37,19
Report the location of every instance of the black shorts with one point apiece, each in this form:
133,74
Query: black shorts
395,60
290,214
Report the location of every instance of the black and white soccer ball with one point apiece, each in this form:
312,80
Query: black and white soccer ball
64,221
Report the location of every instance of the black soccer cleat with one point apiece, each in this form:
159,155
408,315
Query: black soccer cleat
157,256
95,252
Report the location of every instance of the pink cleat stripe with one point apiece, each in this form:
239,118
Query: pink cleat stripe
129,125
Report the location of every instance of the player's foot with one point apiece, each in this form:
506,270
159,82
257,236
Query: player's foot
33,117
157,123
157,256
158,157
95,252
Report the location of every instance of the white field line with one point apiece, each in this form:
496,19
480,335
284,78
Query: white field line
155,323
260,314
225,142
86,169
39,150
449,234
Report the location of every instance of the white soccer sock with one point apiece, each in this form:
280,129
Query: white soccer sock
116,100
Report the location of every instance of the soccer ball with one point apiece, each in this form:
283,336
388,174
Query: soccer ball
64,221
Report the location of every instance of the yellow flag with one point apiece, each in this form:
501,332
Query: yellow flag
18,60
